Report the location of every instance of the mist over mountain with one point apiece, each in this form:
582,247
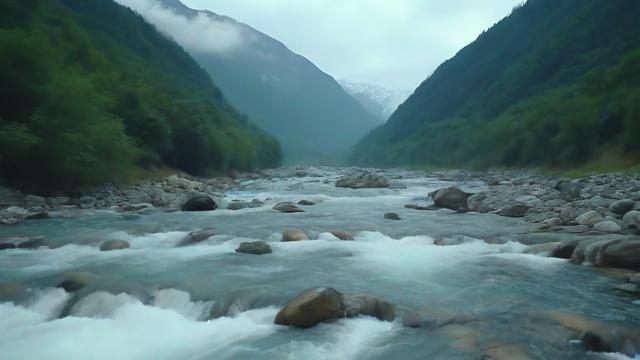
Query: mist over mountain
307,110
556,83
378,100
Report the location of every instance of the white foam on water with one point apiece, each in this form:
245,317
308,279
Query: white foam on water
346,339
102,304
617,356
133,331
48,302
150,241
180,302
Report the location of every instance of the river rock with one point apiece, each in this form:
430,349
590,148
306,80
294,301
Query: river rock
517,210
590,218
368,305
287,207
565,249
7,245
312,307
74,281
622,207
631,219
239,205
254,247
623,254
391,216
307,203
607,226
568,214
137,207
342,235
12,292
197,236
38,215
13,215
363,180
199,203
451,198
476,202
114,245
570,190
294,235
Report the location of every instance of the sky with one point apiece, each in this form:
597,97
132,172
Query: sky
391,43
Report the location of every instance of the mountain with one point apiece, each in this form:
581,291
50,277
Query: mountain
379,101
312,116
556,83
90,92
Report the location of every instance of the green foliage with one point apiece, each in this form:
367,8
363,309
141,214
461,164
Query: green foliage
89,92
554,84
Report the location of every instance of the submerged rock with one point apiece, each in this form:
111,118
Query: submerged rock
342,235
114,245
197,236
363,180
199,203
294,235
391,216
368,305
312,307
307,203
451,198
254,247
239,205
287,207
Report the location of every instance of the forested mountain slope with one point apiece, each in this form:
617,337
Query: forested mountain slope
556,83
89,91
313,117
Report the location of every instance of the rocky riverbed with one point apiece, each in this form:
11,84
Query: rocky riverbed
371,263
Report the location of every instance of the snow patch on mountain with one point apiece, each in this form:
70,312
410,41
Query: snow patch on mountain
379,101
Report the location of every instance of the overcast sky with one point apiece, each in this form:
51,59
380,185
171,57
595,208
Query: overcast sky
392,43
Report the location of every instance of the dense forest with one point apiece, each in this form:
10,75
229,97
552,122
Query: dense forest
555,84
89,92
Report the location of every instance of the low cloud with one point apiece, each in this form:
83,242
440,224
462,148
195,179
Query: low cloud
199,34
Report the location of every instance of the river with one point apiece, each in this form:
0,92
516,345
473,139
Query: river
491,294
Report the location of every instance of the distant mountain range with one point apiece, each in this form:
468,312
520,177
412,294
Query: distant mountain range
379,101
554,84
313,117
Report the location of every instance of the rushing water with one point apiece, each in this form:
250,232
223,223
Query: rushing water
156,301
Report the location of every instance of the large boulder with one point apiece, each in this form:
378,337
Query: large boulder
287,207
312,307
451,198
114,245
631,219
74,281
622,207
517,210
199,203
368,305
589,218
363,180
621,254
607,226
254,248
197,236
294,235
